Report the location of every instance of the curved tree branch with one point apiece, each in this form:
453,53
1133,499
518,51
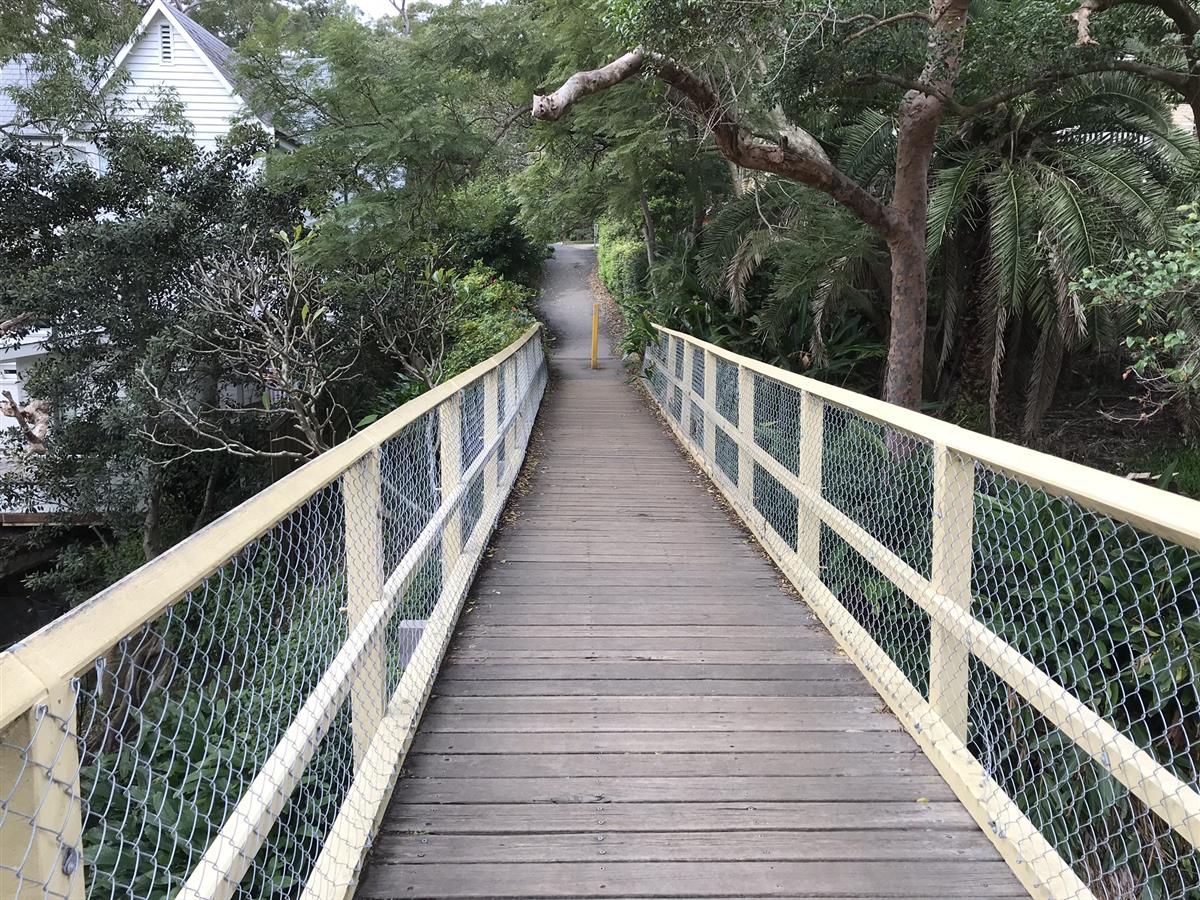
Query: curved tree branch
798,163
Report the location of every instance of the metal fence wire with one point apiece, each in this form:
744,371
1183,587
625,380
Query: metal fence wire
240,741
1044,653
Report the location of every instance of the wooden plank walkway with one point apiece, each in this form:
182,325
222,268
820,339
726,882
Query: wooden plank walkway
633,706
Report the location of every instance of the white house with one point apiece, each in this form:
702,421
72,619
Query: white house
167,52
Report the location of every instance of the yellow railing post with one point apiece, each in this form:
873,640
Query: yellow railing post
595,335
508,372
746,427
685,406
953,527
812,439
41,843
363,499
450,441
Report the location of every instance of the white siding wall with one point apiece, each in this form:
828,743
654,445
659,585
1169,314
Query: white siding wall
208,105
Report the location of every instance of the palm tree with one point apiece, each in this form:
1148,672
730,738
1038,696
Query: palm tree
1022,201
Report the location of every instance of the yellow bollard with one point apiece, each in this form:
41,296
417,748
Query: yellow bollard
595,335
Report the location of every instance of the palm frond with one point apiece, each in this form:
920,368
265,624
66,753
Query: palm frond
948,198
745,261
868,146
1010,234
1125,182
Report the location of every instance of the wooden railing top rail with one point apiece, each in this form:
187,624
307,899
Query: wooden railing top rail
1160,512
32,668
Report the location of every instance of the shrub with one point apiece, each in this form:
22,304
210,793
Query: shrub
490,312
621,256
487,314
1155,299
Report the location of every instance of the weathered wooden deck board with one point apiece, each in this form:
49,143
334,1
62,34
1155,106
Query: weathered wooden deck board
633,706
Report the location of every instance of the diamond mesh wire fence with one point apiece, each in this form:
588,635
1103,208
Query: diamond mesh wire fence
1041,647
239,739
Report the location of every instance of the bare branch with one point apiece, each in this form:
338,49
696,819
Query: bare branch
21,320
888,21
552,107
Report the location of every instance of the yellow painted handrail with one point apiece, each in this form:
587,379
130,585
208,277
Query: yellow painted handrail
1159,512
939,724
68,645
326,537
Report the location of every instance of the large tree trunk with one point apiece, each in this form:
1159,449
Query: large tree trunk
901,224
920,115
906,341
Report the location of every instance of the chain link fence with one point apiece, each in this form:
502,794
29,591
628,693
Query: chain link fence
241,739
1034,625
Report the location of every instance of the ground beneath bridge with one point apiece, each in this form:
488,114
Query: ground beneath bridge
634,707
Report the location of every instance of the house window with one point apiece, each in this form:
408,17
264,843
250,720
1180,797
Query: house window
164,37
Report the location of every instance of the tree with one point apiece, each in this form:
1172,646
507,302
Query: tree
1155,296
1156,39
795,154
1022,201
89,257
749,73
396,131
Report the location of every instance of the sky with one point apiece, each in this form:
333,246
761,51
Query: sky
375,8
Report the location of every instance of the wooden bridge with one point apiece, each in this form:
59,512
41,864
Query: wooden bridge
634,706
749,639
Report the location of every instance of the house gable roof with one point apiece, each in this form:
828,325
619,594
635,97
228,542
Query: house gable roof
216,54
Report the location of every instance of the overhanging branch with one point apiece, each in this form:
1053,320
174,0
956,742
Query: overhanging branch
739,146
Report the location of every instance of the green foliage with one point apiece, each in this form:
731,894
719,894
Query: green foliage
81,570
1155,295
489,314
1111,614
1107,611
486,230
1175,469
93,257
175,740
621,260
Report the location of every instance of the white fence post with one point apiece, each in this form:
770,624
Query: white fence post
685,407
450,442
953,529
41,846
746,427
808,466
710,394
363,500
491,424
